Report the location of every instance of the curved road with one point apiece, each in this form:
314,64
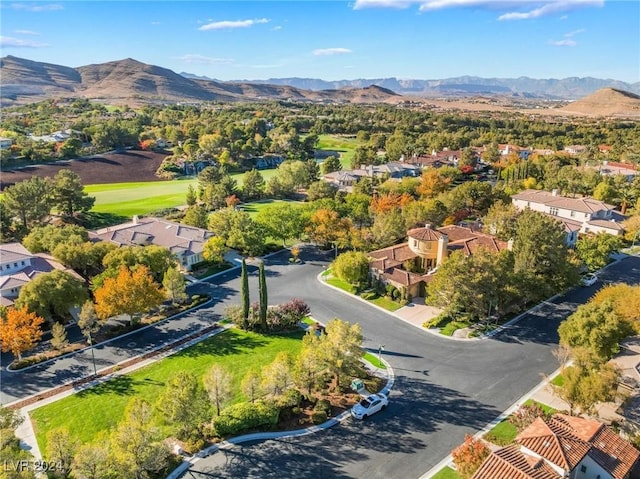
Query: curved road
443,388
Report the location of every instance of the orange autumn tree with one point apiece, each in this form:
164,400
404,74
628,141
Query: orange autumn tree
433,183
390,201
20,330
469,456
130,292
327,228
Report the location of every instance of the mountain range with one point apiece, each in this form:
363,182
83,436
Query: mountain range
131,81
560,89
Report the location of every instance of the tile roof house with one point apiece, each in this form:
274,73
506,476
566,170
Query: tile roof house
18,267
186,242
429,247
593,216
563,446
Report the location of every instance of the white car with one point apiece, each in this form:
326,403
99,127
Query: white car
589,279
369,406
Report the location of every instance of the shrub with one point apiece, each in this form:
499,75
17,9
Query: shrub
525,415
296,410
368,295
318,417
291,398
439,321
244,416
352,267
392,291
287,315
323,405
452,327
234,313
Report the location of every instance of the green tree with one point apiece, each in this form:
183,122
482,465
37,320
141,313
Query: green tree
47,238
91,461
541,256
330,164
196,215
192,197
340,349
30,201
244,293
277,376
501,220
308,365
217,382
264,300
253,185
58,336
388,228
88,320
321,189
282,221
60,450
136,449
595,250
585,387
215,249
52,294
69,196
157,259
238,230
597,328
251,385
184,404
352,267
174,285
70,148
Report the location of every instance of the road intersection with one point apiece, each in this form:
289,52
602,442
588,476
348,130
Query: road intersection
443,388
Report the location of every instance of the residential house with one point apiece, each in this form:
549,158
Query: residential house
594,216
575,149
18,267
186,242
563,446
614,168
410,266
345,179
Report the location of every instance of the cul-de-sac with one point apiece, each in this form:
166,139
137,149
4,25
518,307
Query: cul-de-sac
368,239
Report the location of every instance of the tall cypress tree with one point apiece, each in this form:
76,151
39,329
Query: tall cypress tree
244,293
262,288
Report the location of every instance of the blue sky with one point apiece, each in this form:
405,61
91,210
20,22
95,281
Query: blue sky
422,39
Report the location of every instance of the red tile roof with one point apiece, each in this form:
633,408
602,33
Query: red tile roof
424,234
510,463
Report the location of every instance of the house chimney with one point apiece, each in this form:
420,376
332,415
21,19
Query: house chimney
554,192
136,219
510,244
427,225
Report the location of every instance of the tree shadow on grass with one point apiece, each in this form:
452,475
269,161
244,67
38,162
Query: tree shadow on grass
120,385
96,220
224,344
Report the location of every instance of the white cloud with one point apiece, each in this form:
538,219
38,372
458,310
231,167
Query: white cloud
26,32
11,42
330,51
551,7
156,23
36,7
194,58
567,42
229,24
575,32
276,28
526,9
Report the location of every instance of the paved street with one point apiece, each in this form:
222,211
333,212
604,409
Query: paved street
443,389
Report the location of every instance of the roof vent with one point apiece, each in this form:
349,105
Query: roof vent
546,444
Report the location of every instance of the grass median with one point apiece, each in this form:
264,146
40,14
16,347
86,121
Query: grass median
101,408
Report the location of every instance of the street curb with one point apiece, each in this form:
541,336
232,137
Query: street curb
77,351
448,461
126,370
233,268
262,436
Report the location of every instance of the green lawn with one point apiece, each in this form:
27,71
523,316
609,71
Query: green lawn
446,473
343,285
254,207
140,198
558,380
504,432
386,303
100,408
345,146
373,359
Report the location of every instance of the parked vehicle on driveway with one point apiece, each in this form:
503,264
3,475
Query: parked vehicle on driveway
589,279
369,406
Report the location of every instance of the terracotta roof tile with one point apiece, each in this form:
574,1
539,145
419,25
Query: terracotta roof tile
510,463
613,453
424,234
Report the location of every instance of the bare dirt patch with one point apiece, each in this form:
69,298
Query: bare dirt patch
128,166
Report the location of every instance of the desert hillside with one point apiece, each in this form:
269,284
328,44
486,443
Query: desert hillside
607,102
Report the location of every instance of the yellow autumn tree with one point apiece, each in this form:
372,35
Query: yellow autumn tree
20,330
130,292
625,299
